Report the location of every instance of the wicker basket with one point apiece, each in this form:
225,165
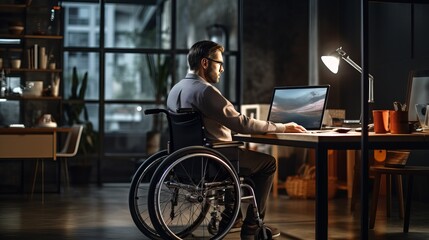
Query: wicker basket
303,185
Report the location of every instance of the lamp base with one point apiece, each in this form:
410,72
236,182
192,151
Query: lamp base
358,122
370,108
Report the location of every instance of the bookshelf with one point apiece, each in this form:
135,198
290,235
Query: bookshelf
30,33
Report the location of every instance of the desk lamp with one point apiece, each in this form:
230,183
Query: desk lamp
332,62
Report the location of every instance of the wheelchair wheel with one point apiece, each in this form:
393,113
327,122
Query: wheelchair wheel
137,198
192,190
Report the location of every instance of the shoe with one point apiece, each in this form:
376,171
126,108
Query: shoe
248,231
235,228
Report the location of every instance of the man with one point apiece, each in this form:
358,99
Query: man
220,118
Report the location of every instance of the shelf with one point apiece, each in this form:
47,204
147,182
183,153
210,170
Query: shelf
7,7
33,46
31,36
58,37
12,7
42,98
20,70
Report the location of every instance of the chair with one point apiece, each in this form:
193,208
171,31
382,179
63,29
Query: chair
69,149
379,159
188,188
394,166
389,170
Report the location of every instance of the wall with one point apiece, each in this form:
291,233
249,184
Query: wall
394,49
275,47
397,44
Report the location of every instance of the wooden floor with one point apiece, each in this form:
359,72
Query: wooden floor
102,213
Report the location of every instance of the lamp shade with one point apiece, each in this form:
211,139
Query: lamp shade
331,62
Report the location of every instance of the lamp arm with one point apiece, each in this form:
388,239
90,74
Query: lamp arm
359,69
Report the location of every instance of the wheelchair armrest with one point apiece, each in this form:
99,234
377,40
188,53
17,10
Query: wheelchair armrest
225,144
155,111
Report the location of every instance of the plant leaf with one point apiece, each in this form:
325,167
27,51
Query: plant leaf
83,86
75,83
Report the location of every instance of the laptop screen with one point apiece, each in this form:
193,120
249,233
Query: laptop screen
304,105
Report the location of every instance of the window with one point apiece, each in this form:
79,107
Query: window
78,15
82,26
132,41
78,39
84,62
132,25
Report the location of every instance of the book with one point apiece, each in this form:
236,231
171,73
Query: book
36,56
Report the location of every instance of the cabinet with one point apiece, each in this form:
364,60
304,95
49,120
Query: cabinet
31,59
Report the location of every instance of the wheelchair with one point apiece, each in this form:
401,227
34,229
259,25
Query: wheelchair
190,190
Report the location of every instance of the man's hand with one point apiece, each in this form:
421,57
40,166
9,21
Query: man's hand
294,128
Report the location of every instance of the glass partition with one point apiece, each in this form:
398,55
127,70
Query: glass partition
135,76
126,126
82,25
132,66
85,62
137,24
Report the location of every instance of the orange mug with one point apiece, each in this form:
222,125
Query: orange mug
381,121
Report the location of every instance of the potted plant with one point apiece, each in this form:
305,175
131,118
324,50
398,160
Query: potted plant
159,71
74,109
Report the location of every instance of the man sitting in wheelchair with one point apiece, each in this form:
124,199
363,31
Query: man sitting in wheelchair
220,118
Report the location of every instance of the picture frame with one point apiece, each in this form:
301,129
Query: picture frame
256,111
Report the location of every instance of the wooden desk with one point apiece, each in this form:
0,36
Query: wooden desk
322,142
29,142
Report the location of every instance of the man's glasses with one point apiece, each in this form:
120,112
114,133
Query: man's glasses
216,61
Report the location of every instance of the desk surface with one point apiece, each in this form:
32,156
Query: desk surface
350,140
17,130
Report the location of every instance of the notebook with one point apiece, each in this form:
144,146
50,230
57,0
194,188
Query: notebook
304,105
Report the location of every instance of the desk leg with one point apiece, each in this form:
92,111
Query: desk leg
275,154
22,176
350,171
321,193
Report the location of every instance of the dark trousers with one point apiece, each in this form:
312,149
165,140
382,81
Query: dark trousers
259,168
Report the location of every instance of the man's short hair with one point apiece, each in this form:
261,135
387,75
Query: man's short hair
200,50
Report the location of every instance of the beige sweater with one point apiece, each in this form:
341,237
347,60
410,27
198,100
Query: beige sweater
219,115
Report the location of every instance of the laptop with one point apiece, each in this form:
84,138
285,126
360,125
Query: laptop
304,105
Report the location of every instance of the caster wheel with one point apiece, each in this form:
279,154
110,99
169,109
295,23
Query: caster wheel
263,233
212,227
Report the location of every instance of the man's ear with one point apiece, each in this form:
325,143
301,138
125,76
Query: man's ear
204,63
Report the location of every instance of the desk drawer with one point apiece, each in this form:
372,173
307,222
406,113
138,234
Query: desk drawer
27,146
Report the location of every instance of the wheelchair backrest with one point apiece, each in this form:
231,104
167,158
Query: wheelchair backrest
186,129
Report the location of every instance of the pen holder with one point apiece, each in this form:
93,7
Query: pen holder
399,122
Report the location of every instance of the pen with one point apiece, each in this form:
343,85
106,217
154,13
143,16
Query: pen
396,106
399,106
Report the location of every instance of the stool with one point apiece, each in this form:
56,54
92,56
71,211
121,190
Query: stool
409,172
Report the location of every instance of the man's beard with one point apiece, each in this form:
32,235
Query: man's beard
213,77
